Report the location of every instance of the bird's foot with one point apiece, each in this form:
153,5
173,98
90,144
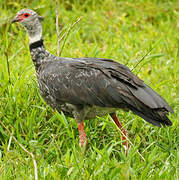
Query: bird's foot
83,141
123,134
125,141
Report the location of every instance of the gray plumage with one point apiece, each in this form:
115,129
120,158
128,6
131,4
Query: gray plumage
84,88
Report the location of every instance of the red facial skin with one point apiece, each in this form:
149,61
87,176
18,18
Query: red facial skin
23,16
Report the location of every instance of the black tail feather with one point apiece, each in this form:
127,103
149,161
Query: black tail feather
157,117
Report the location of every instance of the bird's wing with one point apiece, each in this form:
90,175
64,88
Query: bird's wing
106,84
109,67
100,82
79,83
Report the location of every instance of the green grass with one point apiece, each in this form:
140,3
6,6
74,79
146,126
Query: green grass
121,30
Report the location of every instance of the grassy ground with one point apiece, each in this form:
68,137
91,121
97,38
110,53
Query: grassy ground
121,30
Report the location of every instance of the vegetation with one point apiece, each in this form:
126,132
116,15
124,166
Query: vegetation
125,31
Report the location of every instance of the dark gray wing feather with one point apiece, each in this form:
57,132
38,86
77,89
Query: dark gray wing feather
105,83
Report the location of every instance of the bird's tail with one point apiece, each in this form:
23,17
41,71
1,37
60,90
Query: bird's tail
157,117
149,105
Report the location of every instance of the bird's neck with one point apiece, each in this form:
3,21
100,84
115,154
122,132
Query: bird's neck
38,52
35,38
35,32
36,44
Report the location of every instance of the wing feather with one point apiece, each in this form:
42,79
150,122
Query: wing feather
104,83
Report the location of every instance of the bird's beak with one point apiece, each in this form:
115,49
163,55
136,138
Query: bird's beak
16,19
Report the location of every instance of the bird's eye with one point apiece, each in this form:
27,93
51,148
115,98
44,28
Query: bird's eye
26,15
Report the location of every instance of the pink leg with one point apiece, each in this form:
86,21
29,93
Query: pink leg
124,132
82,138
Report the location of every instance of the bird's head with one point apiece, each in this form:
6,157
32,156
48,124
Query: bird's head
31,21
27,17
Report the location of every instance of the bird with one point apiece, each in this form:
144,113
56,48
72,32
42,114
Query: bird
83,88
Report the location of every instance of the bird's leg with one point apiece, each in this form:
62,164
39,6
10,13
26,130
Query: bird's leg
124,132
82,139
